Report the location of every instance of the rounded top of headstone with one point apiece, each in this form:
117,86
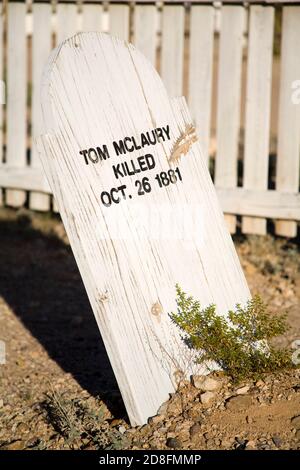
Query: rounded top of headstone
111,75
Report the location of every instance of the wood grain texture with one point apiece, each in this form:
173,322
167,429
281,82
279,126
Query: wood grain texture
145,30
200,71
240,201
258,107
67,21
267,203
119,21
172,48
67,25
41,47
91,17
288,153
229,100
127,272
16,95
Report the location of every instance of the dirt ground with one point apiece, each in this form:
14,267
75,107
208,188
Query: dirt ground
57,388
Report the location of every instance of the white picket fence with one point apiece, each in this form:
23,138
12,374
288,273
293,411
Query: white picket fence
219,56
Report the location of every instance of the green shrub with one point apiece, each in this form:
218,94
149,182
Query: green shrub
237,342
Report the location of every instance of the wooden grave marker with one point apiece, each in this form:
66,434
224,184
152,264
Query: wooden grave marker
139,208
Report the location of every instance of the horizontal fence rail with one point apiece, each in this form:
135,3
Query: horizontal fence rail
236,62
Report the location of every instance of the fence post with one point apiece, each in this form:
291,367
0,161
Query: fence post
288,151
16,95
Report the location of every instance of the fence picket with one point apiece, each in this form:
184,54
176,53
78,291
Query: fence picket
258,103
91,17
200,71
2,92
229,100
145,30
67,21
287,177
67,25
172,48
16,96
119,21
41,47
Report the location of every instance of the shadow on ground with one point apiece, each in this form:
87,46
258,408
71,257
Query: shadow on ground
40,281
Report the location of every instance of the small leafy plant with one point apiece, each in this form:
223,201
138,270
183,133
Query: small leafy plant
75,420
237,342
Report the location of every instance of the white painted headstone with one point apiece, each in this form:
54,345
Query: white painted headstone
139,207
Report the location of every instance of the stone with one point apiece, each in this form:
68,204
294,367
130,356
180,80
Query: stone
32,442
122,429
277,441
163,409
240,441
242,390
250,445
195,430
173,443
175,406
22,427
260,383
205,384
296,422
156,419
207,397
116,422
195,413
238,403
210,443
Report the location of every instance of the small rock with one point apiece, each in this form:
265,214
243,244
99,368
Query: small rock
238,403
173,443
156,419
22,427
175,406
296,422
210,443
250,445
33,441
240,441
297,435
205,384
260,383
195,430
1,403
277,441
121,429
116,422
242,390
207,397
163,409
